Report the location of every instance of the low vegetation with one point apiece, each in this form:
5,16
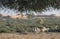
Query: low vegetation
23,25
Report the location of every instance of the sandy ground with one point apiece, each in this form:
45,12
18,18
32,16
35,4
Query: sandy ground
30,36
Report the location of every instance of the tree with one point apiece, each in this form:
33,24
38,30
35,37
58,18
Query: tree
35,5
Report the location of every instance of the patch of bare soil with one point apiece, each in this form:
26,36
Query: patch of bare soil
30,36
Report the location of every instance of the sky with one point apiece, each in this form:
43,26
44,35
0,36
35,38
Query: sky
48,11
4,10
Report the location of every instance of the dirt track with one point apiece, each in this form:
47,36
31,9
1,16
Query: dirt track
30,36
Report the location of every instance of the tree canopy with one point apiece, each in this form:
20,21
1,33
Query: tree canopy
35,5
